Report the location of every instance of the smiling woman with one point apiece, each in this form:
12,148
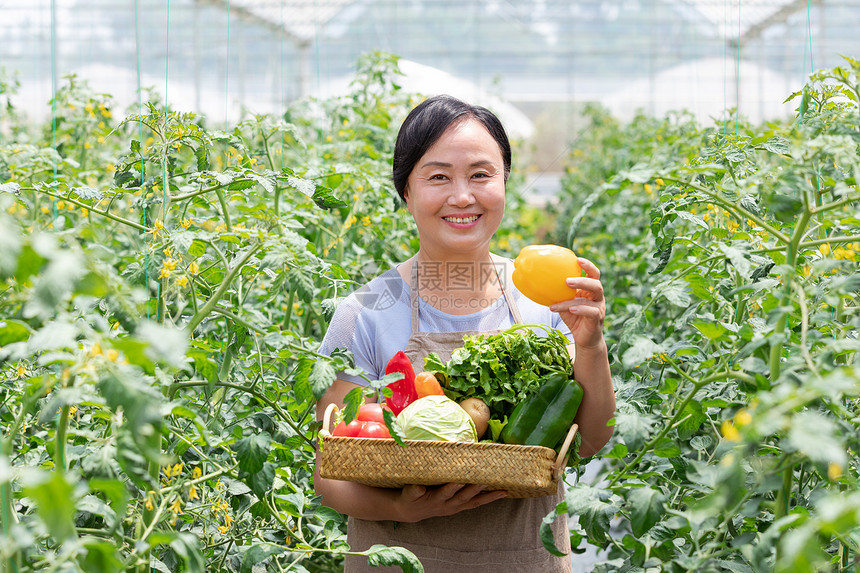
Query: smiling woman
451,162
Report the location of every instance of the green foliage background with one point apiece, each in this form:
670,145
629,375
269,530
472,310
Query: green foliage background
166,284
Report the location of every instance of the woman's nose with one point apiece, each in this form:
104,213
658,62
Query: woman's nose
461,194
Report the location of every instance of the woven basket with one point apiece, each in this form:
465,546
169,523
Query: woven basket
522,471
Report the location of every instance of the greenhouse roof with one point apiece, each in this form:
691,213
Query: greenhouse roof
740,22
300,19
736,21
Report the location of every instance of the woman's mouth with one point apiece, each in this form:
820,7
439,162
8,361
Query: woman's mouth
462,220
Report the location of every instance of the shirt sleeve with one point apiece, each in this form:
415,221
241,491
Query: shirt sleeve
347,331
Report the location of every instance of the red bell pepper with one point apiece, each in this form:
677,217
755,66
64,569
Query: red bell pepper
403,390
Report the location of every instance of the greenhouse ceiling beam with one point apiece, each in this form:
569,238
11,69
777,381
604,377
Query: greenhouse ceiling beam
249,16
780,16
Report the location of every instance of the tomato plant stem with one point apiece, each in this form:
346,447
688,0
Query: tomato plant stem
679,413
225,211
225,284
735,209
104,213
62,462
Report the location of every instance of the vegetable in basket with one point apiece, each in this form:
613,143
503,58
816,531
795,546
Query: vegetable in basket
403,390
437,418
502,369
545,418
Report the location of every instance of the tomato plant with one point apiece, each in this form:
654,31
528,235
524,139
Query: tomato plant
730,265
165,287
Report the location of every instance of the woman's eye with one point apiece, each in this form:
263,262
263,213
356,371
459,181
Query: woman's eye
480,175
437,177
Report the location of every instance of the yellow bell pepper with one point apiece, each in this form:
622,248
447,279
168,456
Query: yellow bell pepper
540,272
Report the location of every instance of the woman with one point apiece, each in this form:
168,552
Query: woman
451,162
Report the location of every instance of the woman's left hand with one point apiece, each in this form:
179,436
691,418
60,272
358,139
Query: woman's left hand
585,313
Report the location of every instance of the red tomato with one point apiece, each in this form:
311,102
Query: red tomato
350,430
374,430
372,412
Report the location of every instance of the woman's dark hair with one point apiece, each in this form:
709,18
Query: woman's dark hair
426,123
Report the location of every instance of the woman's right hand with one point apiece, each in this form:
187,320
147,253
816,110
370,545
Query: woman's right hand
417,502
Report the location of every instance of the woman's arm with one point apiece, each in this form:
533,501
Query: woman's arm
584,316
591,368
410,504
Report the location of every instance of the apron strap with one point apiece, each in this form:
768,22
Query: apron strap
506,291
413,295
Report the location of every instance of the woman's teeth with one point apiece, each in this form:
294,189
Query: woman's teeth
462,220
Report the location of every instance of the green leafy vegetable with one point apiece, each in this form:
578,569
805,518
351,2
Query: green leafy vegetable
502,369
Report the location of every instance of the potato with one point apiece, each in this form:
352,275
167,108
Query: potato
479,412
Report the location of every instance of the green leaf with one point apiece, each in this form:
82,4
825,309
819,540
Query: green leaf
86,193
617,452
197,248
10,187
257,554
646,509
322,376
667,448
55,500
547,536
166,345
777,144
641,350
380,555
252,452
816,436
261,481
13,331
186,546
241,184
711,330
100,557
594,508
324,198
201,152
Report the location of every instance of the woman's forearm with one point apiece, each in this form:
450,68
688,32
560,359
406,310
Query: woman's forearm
591,370
357,500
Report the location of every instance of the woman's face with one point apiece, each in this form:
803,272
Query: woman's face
456,192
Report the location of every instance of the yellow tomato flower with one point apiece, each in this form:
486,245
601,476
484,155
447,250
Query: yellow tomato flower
149,501
182,281
176,506
834,471
192,493
22,371
157,227
112,354
196,472
186,223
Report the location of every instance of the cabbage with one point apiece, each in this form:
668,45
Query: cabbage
436,418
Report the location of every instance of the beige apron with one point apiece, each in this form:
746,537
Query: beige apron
500,537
